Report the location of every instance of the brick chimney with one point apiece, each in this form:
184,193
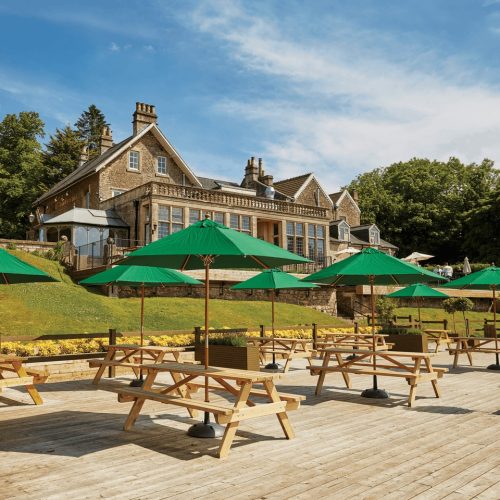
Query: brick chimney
265,179
144,114
106,139
355,196
84,155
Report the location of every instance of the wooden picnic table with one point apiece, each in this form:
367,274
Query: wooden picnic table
354,340
392,364
468,345
131,356
440,337
287,348
23,376
187,379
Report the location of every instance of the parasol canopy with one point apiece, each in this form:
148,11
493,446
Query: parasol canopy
14,270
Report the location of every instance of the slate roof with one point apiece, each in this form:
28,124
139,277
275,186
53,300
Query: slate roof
207,183
88,216
289,187
335,196
82,171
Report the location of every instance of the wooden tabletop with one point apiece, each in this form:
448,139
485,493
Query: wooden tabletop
280,339
7,358
144,348
212,371
364,352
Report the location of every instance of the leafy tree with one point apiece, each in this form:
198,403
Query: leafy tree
458,304
89,127
449,306
62,155
482,238
386,309
421,204
21,170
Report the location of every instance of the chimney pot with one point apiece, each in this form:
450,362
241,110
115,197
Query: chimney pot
144,115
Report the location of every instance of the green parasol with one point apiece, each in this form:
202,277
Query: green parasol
372,267
273,279
207,244
417,291
14,270
140,277
486,279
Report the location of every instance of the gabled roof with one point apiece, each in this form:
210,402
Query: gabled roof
208,183
338,197
338,222
291,186
88,216
96,164
294,186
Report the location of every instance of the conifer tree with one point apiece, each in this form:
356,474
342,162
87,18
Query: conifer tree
89,127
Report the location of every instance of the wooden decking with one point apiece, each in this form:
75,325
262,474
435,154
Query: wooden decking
73,446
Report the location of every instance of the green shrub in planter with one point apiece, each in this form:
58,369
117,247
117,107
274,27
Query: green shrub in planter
406,339
230,351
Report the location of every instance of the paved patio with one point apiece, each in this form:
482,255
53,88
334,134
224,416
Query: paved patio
346,446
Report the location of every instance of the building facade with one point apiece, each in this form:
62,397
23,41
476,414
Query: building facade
140,190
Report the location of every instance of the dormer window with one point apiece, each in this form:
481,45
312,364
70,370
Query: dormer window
133,160
344,231
374,236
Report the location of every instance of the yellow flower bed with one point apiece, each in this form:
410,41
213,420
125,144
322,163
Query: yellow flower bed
82,346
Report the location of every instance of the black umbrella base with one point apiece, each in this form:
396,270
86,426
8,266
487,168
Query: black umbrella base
137,382
206,430
272,366
374,394
493,367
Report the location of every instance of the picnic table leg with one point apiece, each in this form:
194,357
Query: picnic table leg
434,383
287,364
282,416
469,355
139,402
347,379
21,372
184,392
109,357
458,346
231,427
322,374
413,386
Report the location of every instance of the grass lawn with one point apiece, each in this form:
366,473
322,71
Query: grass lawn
430,314
44,308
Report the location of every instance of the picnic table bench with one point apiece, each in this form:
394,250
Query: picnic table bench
392,364
131,356
351,340
287,348
440,337
26,377
186,381
468,345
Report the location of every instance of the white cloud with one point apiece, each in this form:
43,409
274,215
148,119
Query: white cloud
114,47
345,105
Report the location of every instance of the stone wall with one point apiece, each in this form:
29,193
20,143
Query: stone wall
117,175
308,196
349,209
323,299
28,246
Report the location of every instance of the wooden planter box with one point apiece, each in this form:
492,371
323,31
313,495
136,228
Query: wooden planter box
228,356
408,343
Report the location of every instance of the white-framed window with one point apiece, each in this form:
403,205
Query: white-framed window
170,220
218,217
374,236
134,160
344,231
194,216
117,192
239,222
161,166
295,237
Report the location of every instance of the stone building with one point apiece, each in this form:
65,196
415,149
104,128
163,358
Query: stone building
141,189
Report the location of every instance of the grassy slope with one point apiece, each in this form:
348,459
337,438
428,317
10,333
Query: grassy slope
65,307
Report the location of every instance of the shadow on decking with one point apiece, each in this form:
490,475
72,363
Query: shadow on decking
80,433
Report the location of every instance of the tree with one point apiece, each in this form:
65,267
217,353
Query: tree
89,127
386,309
21,170
482,238
422,204
62,155
449,307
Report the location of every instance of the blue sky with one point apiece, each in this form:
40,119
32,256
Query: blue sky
333,87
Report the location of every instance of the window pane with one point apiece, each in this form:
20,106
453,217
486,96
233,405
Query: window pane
177,227
320,231
310,230
299,229
133,160
194,216
289,244
245,223
177,214
299,246
321,248
235,221
162,165
163,213
290,230
219,217
163,229
311,251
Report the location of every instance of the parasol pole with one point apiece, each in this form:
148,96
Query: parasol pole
141,378
272,323
374,346
493,287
